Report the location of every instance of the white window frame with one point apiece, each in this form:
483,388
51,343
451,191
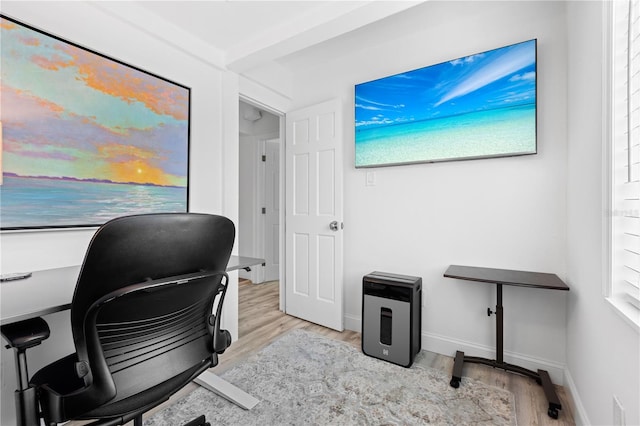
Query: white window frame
615,292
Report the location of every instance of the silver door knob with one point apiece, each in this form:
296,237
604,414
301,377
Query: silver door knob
334,226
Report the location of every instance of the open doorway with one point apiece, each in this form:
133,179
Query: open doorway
259,207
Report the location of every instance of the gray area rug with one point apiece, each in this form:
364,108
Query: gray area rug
307,379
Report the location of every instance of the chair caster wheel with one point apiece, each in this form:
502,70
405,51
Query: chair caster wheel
455,383
553,413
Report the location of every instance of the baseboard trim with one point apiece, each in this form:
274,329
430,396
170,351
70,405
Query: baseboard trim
448,346
353,323
579,413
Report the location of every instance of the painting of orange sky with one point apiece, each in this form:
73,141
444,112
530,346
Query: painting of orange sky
68,113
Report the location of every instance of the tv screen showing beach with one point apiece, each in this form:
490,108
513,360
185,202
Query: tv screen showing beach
478,106
85,138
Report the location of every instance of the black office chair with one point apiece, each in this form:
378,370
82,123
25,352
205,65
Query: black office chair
141,319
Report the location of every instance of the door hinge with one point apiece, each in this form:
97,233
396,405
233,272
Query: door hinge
264,158
264,210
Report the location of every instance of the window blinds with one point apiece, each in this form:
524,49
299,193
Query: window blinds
626,151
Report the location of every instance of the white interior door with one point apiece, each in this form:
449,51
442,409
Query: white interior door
314,211
271,183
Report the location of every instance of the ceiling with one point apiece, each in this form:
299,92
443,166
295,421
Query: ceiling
248,34
228,24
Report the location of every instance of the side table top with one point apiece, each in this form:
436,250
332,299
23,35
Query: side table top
506,276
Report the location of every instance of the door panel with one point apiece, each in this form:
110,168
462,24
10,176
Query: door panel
301,184
301,265
314,250
326,183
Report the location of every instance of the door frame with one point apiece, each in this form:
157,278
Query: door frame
262,230
260,224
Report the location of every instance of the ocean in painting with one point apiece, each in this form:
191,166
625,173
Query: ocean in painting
40,202
495,132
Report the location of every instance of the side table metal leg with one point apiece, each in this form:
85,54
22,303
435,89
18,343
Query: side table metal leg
457,370
499,326
550,393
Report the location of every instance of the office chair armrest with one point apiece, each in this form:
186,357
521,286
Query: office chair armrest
25,334
63,395
221,338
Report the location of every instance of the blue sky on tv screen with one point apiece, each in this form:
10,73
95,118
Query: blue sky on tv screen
494,79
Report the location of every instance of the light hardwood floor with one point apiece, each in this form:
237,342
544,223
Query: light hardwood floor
261,322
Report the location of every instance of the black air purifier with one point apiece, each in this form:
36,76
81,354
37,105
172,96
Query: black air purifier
391,317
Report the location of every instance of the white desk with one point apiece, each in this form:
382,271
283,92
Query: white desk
54,289
51,290
44,292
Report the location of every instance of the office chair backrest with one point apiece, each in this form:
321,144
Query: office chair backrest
140,313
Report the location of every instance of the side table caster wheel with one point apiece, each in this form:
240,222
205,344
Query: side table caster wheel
553,413
455,383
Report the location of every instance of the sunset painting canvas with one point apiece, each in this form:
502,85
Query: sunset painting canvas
85,138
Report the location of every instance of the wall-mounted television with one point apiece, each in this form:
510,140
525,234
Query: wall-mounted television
478,106
84,137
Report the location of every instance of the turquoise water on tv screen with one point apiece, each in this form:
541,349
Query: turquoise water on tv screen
496,132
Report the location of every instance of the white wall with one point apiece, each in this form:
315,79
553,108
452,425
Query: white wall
214,119
418,219
603,351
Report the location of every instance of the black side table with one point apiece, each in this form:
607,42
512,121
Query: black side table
514,278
